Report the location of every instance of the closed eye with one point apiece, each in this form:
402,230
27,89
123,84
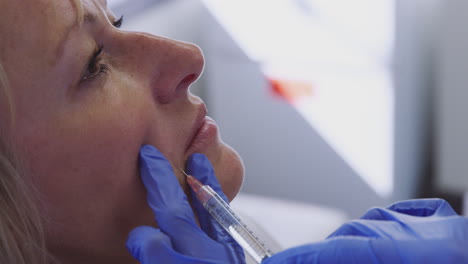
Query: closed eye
94,68
118,23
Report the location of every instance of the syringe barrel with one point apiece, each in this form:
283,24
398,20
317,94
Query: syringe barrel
234,225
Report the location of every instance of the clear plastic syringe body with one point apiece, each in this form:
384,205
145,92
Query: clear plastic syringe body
229,220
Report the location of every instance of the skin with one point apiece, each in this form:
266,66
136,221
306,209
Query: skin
79,140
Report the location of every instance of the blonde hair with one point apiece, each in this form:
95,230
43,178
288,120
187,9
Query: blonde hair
22,239
4,86
21,236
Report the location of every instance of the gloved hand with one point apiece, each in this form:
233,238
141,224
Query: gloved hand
178,238
425,231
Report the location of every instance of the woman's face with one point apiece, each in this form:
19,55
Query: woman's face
86,98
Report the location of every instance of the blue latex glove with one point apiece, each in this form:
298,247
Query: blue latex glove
178,238
425,231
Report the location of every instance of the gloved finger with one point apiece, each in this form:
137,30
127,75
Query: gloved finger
379,214
150,245
144,241
373,229
404,210
423,207
349,250
167,200
352,250
433,251
200,167
357,228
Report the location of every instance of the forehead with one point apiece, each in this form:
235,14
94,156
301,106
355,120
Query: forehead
37,26
33,34
27,14
29,27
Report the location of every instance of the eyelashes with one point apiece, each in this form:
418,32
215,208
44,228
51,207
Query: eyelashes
94,68
118,22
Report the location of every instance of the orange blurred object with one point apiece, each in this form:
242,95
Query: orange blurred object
291,90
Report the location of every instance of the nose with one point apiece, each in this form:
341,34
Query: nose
170,65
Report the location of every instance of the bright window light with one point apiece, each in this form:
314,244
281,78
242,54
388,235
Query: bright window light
343,50
116,2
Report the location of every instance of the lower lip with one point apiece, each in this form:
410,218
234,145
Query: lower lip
205,136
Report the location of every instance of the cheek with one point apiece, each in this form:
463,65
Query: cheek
87,162
229,170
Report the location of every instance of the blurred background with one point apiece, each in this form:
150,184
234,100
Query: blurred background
334,106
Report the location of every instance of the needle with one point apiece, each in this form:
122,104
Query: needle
228,219
183,171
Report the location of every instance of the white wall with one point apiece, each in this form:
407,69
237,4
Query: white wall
414,69
283,155
452,98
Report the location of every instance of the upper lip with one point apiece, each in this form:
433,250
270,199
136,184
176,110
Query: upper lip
199,120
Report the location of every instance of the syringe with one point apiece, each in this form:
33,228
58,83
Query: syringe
229,220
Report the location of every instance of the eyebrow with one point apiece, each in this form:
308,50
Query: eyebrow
88,18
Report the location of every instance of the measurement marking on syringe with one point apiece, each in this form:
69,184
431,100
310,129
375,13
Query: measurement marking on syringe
229,220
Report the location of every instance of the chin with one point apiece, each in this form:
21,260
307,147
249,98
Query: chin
229,170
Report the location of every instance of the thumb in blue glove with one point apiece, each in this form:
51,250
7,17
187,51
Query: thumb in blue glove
425,231
178,238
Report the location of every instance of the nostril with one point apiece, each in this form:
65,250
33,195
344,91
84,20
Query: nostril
165,95
189,79
185,83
